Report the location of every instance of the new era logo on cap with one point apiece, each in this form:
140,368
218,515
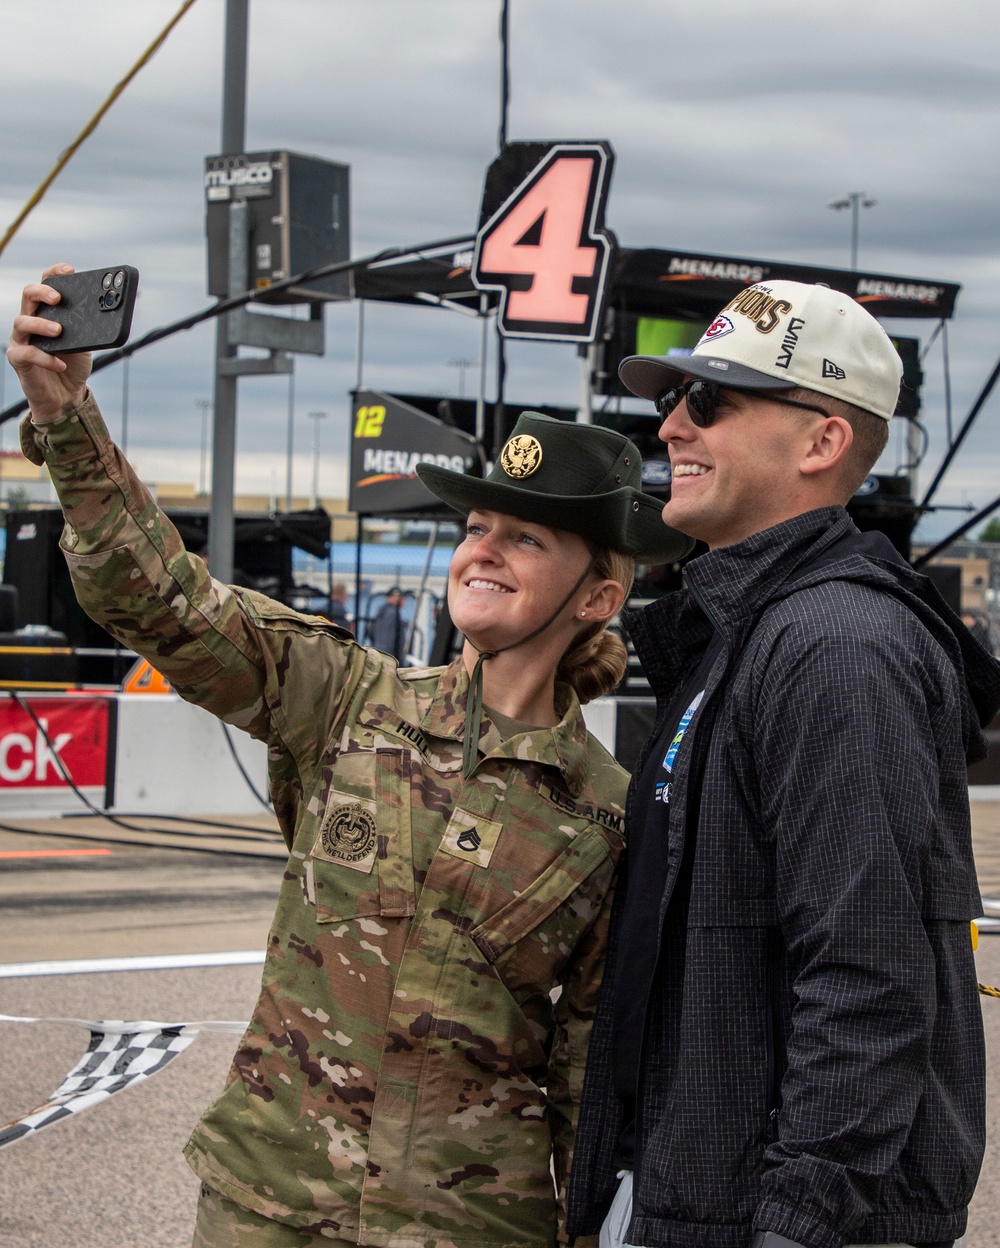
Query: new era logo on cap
833,370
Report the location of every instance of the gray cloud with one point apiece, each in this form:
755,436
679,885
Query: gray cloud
734,126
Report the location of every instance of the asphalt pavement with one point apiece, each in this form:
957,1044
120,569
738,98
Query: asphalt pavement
113,1177
116,892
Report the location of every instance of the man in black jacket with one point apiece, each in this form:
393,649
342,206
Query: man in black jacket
789,1049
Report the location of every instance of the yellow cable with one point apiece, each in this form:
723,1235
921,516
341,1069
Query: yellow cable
989,991
91,125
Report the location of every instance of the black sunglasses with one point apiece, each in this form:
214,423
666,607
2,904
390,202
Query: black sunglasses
702,397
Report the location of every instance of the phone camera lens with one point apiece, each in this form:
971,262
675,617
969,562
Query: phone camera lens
106,281
119,279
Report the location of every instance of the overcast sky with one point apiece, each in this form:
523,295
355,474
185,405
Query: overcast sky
734,126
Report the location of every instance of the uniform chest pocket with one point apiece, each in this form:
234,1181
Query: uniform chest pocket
361,861
532,906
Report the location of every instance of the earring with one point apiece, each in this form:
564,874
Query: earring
582,614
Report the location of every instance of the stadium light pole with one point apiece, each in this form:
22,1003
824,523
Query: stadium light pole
461,365
317,417
855,200
206,406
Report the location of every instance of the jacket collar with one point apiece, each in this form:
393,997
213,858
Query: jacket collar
734,583
728,589
725,590
563,747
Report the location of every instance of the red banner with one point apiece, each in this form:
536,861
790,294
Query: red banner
77,732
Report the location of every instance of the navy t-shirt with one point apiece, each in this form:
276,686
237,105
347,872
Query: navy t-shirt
650,854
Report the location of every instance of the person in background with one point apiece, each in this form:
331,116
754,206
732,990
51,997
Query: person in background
978,627
789,1051
337,610
388,633
412,1069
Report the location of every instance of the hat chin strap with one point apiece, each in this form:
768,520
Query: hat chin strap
474,703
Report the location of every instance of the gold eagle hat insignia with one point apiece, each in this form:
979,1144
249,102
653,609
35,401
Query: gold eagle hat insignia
521,456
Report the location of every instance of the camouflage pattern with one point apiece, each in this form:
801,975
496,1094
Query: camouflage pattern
409,1077
222,1223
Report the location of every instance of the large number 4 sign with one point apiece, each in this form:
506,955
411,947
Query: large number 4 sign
544,246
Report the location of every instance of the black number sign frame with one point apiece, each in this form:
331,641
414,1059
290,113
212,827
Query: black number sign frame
533,247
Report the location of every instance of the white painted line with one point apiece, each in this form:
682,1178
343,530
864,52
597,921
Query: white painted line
157,962
984,792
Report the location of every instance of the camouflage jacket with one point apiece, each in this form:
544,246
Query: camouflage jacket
407,1078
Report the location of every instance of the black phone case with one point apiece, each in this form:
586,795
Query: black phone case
93,315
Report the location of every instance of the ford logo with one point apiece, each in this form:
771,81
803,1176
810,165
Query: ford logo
655,472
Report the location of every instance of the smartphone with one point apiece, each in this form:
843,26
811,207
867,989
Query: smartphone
95,310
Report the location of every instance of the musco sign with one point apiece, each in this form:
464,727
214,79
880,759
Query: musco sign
389,439
238,177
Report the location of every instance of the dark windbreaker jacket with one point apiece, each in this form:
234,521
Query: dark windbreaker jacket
813,1059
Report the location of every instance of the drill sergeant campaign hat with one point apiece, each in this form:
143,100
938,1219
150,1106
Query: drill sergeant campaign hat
581,478
780,336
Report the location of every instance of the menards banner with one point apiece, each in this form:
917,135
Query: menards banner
654,282
73,730
661,282
390,438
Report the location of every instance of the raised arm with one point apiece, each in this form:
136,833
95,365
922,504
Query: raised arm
238,654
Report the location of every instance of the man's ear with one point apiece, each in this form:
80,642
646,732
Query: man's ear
829,443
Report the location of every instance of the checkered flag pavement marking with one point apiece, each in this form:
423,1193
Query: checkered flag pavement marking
119,1055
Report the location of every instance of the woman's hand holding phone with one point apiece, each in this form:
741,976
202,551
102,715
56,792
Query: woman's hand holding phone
52,384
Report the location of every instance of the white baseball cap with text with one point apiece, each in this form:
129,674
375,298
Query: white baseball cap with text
780,336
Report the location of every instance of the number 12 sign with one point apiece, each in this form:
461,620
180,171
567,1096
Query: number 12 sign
545,247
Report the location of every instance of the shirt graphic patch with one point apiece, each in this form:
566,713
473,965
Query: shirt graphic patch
663,786
348,836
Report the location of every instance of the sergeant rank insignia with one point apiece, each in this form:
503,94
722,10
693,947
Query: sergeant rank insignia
349,833
521,456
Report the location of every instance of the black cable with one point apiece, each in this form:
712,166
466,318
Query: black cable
242,770
257,834
504,72
124,840
250,296
963,528
225,824
931,340
950,454
499,414
94,810
946,363
59,764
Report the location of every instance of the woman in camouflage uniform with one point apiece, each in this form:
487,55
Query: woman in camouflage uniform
407,1079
